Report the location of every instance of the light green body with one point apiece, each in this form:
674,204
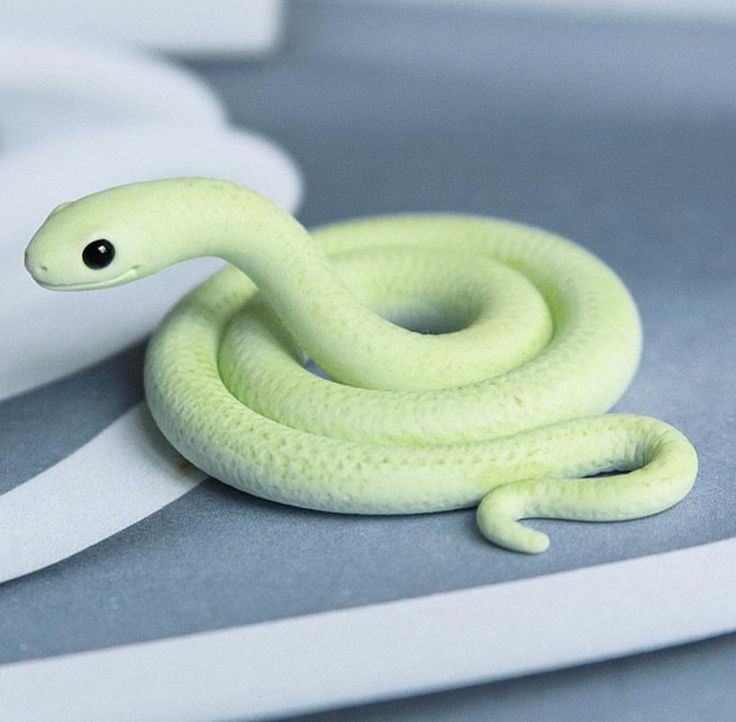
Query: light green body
504,410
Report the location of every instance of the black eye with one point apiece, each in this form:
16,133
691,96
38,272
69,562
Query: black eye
98,254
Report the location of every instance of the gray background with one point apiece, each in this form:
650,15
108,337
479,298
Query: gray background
620,136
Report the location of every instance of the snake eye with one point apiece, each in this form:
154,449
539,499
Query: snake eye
98,254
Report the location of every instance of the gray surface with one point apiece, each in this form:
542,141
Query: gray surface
618,136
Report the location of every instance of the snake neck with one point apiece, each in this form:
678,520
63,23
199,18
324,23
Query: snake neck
328,321
293,274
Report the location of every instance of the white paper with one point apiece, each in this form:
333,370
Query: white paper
51,86
387,650
215,27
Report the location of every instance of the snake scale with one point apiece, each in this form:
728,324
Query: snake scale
502,406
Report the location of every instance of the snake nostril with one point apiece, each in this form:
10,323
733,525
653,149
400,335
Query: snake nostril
43,268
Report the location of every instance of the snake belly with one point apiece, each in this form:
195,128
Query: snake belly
505,413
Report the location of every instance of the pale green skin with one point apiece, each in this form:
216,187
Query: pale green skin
504,414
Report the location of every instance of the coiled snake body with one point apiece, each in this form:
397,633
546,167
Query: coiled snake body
503,410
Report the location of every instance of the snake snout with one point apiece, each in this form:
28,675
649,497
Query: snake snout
38,270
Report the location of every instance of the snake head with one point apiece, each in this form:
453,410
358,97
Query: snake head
130,231
107,238
84,244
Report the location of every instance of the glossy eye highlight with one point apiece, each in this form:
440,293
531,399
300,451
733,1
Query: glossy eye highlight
98,254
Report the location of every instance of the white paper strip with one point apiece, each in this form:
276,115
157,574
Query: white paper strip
388,650
215,27
123,475
51,86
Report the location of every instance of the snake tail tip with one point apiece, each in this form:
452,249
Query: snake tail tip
498,524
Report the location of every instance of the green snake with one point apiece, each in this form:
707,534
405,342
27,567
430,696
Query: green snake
502,406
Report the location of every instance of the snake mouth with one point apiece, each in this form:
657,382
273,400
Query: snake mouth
128,275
